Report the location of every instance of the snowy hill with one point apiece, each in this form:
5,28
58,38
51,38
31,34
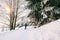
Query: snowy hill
49,31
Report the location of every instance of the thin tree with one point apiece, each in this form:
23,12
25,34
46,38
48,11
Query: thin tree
14,11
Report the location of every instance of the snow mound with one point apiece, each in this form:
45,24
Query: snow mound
49,31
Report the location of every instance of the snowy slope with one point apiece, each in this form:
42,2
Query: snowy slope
49,31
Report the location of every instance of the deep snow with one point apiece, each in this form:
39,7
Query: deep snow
50,31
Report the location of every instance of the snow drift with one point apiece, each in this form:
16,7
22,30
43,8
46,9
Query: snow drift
49,31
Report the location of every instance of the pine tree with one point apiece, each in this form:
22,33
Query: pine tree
44,11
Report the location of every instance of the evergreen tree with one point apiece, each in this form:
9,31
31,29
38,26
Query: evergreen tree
44,11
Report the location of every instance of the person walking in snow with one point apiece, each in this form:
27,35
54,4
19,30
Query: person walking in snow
26,26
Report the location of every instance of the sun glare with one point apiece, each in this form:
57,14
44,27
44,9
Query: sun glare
7,9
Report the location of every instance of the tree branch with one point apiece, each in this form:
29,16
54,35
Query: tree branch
5,23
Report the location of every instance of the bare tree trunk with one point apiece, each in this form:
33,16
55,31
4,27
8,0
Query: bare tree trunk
11,19
16,13
14,25
11,22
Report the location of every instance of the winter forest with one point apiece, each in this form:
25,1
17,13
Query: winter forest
19,13
29,19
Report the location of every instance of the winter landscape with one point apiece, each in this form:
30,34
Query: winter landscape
29,19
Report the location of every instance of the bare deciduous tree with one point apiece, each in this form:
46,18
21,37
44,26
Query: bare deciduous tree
14,8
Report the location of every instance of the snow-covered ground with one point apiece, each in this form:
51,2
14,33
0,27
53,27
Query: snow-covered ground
49,31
